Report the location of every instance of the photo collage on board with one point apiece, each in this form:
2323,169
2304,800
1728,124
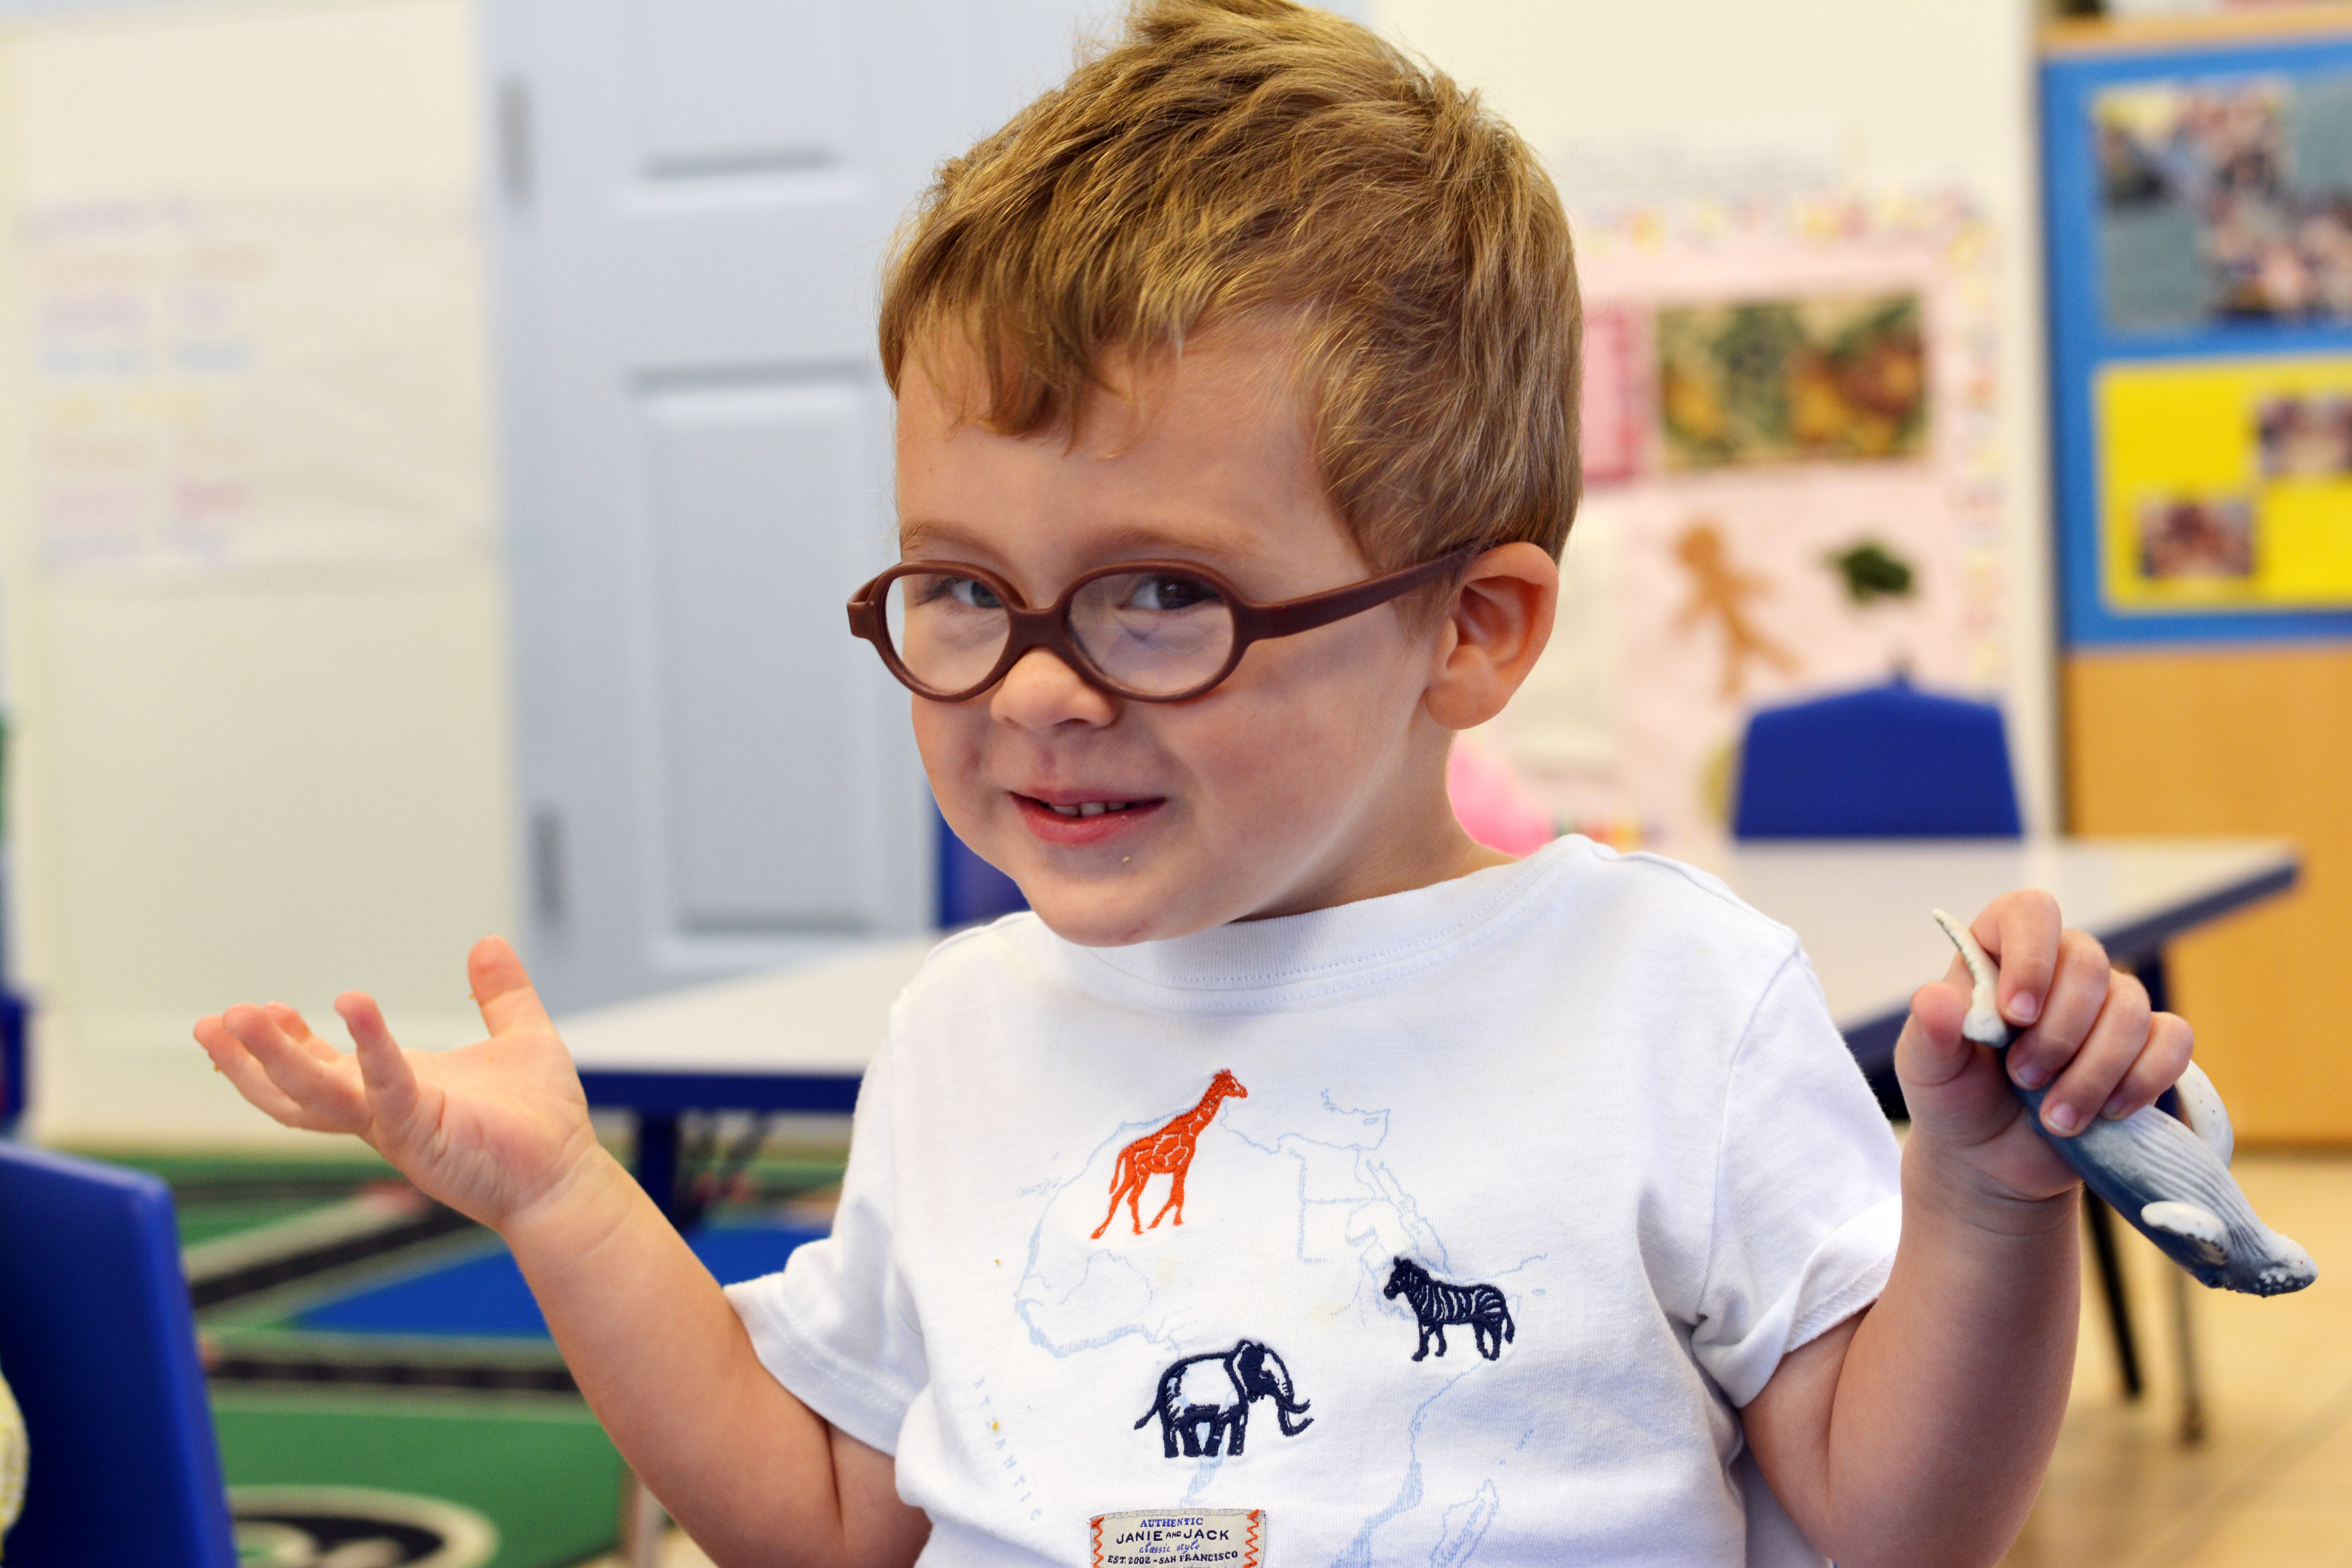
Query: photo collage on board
2224,204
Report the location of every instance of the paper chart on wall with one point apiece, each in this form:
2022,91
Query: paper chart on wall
2226,484
1791,486
230,384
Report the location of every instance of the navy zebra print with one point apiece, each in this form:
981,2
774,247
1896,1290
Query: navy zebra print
1437,1303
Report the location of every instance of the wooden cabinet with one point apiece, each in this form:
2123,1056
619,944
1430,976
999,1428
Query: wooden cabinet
2240,741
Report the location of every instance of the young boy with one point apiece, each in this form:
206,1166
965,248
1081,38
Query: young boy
1301,1182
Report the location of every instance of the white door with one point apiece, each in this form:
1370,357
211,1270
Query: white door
693,197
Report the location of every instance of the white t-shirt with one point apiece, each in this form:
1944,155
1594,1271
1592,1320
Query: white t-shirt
1596,1103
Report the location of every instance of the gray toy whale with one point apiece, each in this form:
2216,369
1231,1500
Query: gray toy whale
2170,1178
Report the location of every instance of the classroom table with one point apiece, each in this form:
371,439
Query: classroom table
1861,905
799,1041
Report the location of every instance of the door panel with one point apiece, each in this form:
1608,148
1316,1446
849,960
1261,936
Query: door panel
695,196
698,195
767,756
710,97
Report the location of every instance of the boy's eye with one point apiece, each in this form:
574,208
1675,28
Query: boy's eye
1164,591
969,593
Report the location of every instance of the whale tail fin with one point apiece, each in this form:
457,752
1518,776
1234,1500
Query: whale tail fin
1984,1023
2201,1108
2200,1231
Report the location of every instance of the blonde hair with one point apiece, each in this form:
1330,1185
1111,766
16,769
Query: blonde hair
1231,159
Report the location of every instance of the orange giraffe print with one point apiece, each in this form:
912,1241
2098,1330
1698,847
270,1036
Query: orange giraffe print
1168,1150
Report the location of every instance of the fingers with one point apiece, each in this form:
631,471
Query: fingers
384,1071
2111,1038
2023,933
502,988
301,1033
234,1062
2100,1048
328,1091
2170,1043
2077,991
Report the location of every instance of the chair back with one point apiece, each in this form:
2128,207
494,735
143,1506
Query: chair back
1887,762
12,1011
971,890
99,1343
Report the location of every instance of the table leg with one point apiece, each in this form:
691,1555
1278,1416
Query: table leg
657,1160
2111,1282
644,1523
2151,974
2184,1347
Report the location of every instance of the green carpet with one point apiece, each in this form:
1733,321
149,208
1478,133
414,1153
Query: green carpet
541,1469
209,1221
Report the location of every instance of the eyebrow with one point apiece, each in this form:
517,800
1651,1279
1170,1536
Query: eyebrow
1115,540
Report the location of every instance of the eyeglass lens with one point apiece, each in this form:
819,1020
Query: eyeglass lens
1154,633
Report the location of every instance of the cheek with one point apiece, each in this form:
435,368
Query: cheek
1312,731
948,739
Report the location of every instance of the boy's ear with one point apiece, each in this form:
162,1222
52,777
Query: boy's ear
1496,627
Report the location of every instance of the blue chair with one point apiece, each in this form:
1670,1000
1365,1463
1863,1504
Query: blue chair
971,890
1887,762
98,1341
12,1014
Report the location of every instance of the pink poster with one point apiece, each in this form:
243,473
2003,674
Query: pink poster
1793,488
1613,420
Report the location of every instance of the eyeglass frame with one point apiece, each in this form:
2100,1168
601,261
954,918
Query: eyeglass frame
1049,626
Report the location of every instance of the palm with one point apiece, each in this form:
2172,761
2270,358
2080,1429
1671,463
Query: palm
484,1129
485,1113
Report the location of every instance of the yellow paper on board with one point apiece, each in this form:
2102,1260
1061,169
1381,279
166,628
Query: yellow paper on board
2226,484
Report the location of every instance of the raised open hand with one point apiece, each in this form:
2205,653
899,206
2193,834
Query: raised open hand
487,1128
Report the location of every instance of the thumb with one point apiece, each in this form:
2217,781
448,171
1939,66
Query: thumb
502,989
1951,1085
384,1071
1931,1052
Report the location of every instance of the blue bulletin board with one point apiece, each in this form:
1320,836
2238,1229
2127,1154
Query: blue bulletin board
2200,221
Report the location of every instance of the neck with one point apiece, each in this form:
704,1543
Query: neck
1412,840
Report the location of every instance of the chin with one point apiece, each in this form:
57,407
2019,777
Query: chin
1110,918
1088,924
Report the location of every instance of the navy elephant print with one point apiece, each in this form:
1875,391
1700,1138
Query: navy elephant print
1437,1303
1205,1400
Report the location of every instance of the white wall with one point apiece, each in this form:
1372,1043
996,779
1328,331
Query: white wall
1900,92
263,780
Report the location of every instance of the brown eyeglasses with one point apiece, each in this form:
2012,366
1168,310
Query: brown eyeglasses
1155,631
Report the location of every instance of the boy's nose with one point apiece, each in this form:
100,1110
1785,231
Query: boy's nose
1040,691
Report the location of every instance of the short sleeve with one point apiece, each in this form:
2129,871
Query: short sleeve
1808,1191
836,1326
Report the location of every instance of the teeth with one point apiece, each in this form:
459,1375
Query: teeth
1092,807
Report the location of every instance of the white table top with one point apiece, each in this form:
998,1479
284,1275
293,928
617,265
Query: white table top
1861,906
827,1018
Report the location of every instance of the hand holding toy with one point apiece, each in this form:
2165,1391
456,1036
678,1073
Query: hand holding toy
2169,1176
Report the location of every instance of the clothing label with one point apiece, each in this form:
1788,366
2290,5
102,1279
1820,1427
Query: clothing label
1157,1537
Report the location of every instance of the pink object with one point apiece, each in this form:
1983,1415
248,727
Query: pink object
1612,401
1493,806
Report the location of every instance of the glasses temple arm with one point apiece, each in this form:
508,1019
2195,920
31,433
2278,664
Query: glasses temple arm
1321,609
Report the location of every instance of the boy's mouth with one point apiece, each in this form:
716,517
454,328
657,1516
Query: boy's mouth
1071,820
